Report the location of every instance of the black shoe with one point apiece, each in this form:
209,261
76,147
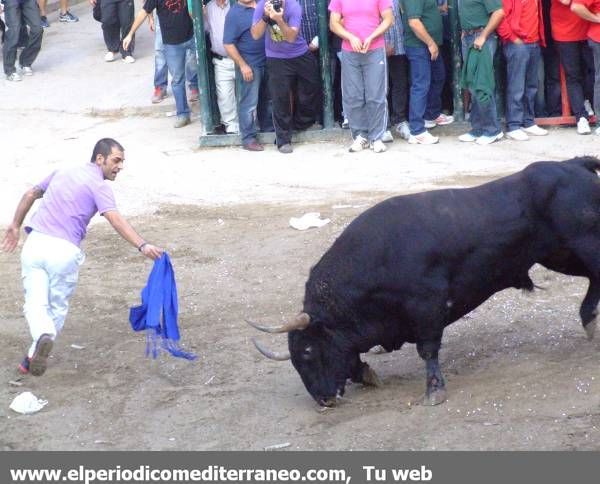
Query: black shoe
44,22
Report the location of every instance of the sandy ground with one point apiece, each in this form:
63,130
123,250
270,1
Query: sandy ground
520,373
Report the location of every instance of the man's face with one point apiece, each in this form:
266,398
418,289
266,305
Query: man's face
112,164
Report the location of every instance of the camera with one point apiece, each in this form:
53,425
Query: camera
277,4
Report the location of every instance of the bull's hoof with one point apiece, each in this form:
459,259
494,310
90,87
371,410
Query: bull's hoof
378,350
590,329
370,378
434,397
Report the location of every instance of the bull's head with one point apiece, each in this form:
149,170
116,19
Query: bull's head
322,363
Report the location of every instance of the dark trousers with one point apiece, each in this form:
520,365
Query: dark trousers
550,102
117,18
575,58
595,46
398,88
301,76
18,13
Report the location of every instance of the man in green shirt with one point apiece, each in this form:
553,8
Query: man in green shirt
423,34
478,21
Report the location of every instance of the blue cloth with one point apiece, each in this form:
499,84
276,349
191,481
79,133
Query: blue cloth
158,311
237,32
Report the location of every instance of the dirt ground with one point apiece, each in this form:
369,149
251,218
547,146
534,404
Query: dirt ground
520,373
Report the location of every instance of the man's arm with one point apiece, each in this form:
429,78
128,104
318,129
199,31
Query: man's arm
258,29
387,18
125,230
584,13
289,33
13,232
491,26
421,32
139,20
235,55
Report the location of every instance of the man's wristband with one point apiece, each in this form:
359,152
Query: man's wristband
266,19
142,245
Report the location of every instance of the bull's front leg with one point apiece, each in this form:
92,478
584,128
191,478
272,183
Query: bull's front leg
588,311
363,373
435,392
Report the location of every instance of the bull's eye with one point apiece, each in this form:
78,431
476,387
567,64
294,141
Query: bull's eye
307,353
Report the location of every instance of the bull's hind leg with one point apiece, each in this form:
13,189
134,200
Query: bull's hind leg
435,392
588,311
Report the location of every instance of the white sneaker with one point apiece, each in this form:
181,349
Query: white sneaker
403,130
588,107
378,147
517,135
441,120
27,71
387,137
488,140
583,127
535,130
597,132
425,138
128,59
467,138
14,77
360,143
109,56
345,124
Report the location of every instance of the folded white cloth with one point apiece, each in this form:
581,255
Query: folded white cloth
308,220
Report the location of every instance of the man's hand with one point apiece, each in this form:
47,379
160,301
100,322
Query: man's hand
247,73
366,44
275,16
356,44
151,22
93,2
389,50
479,41
11,238
126,42
433,50
517,41
152,252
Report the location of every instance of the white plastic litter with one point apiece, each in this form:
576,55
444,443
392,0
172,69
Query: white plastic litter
308,220
27,402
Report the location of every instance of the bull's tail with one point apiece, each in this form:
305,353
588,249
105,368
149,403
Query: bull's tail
590,163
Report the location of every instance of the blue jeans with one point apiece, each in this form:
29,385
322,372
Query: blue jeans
160,63
484,117
522,61
426,84
255,104
175,57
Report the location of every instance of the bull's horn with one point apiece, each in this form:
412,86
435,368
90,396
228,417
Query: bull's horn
272,355
301,321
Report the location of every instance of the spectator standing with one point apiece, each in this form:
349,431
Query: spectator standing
117,18
423,36
478,21
309,27
250,59
16,14
63,14
292,69
178,36
362,25
397,73
214,19
522,33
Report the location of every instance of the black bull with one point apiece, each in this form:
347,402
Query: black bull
411,265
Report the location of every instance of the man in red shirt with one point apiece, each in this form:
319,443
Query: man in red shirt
522,34
569,32
590,10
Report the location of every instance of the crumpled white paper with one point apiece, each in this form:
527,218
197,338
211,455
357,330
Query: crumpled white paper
308,220
27,402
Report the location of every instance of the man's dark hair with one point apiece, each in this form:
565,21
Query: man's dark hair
104,147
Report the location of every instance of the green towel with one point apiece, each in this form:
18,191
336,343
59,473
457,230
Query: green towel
478,74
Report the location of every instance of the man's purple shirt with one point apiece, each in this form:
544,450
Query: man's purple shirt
292,15
71,198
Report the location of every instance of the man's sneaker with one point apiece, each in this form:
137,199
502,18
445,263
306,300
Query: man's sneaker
67,17
44,22
23,367
129,59
27,71
159,95
377,146
441,120
597,131
345,124
588,107
360,143
109,56
583,127
425,138
193,95
387,137
535,130
403,130
467,138
517,135
14,77
182,121
286,148
39,360
488,140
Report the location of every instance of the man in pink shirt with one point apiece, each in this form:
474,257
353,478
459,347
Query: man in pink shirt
51,257
361,25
